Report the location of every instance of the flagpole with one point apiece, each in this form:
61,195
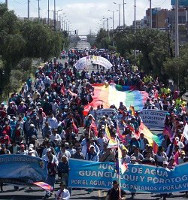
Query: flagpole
119,175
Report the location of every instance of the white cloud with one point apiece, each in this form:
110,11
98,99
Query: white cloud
86,16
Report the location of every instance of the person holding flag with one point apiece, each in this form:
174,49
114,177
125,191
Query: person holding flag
115,191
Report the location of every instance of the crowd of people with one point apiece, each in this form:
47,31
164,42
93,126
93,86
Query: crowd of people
45,119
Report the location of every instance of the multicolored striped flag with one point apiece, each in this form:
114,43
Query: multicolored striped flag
44,186
108,95
153,140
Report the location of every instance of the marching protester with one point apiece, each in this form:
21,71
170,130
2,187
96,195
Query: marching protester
62,193
47,119
115,193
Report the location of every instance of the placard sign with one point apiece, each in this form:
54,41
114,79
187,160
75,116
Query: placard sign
153,118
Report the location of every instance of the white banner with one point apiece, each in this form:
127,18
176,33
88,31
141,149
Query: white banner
83,63
101,61
185,131
153,118
112,113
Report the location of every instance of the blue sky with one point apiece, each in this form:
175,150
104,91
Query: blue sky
86,15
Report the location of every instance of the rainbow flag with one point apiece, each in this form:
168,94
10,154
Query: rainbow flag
153,140
108,95
44,186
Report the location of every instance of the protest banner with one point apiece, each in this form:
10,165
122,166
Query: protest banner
112,113
137,178
22,169
153,118
84,62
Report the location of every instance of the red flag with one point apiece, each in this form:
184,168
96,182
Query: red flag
44,186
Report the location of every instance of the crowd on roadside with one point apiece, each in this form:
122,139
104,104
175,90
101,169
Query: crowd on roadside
45,119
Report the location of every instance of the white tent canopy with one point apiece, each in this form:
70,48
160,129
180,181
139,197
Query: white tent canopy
83,63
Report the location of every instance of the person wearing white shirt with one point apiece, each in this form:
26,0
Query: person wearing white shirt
46,157
101,141
62,193
55,138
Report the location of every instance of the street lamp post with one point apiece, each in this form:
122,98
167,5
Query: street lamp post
177,50
135,27
6,3
113,18
39,10
57,19
124,13
150,15
48,12
54,14
176,29
28,9
119,13
58,14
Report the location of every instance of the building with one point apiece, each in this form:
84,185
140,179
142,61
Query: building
159,18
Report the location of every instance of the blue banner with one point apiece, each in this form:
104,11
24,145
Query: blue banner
138,178
22,169
181,2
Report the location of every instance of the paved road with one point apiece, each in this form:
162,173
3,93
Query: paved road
36,193
81,45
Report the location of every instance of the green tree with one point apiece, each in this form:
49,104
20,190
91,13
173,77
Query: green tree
177,69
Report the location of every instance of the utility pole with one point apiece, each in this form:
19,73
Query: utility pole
177,50
48,12
103,24
66,26
62,23
150,15
54,15
123,13
135,16
6,3
108,29
119,15
38,9
176,30
135,28
113,20
28,9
